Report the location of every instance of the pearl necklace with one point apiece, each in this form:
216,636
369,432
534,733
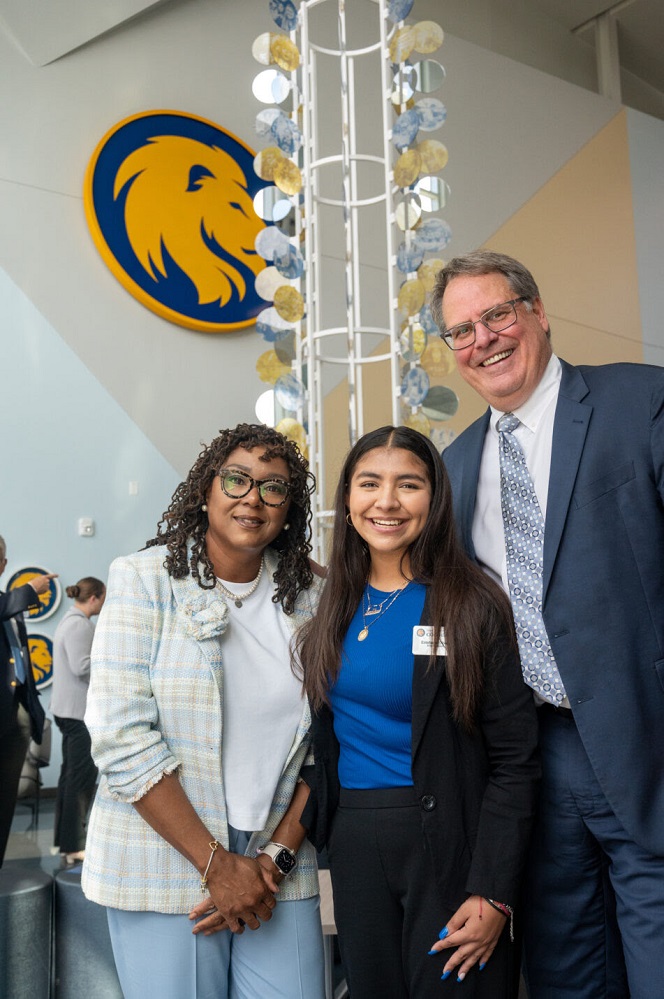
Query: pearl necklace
239,598
384,607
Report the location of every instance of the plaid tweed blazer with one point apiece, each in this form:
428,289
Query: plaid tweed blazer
155,707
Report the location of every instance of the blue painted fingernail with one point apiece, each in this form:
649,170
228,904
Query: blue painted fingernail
483,966
443,933
434,952
446,975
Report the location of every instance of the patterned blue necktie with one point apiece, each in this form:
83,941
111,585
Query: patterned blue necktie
524,546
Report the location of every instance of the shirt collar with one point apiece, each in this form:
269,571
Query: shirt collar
531,412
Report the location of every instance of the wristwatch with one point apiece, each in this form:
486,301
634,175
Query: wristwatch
283,858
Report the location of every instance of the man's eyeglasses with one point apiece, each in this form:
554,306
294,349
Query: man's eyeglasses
272,492
497,319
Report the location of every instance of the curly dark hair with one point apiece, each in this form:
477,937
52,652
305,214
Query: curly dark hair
184,522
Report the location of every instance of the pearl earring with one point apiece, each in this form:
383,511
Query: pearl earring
204,508
286,527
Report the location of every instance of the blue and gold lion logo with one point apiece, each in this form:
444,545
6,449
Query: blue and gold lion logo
169,202
41,657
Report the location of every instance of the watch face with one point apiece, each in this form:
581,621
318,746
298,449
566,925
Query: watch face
285,861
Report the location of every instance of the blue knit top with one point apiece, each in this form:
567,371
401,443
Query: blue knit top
372,699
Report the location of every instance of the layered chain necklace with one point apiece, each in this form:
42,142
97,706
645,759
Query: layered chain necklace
239,598
376,610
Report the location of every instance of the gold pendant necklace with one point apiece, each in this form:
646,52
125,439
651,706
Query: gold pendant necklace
383,609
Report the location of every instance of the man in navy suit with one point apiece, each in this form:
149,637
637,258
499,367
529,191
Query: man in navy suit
21,714
593,441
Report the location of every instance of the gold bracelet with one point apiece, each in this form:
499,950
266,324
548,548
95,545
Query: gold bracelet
214,846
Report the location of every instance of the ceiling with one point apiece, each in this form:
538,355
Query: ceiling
45,31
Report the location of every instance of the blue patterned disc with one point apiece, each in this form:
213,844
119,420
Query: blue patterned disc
427,321
431,113
271,326
405,129
284,13
398,10
414,386
265,120
409,258
433,235
289,391
288,261
286,134
268,241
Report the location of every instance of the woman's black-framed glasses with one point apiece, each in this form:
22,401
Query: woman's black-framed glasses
272,492
497,319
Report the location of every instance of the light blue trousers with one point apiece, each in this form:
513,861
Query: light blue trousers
158,957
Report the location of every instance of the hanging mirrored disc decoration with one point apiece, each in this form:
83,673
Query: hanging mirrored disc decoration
269,367
427,37
408,212
284,14
289,391
271,205
427,321
287,177
412,341
286,133
271,326
270,87
289,303
440,404
402,44
285,53
433,235
438,360
264,120
431,113
414,386
267,282
265,162
268,241
433,154
428,76
289,261
407,168
409,258
284,346
402,84
428,272
411,297
433,192
405,129
260,49
295,432
418,421
398,10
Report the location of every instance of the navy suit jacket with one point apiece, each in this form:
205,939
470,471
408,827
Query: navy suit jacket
603,585
13,604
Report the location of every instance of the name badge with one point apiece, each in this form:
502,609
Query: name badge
423,641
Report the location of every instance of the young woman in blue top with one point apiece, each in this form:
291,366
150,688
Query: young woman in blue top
424,736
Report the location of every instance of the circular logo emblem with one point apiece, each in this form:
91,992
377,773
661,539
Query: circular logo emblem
48,601
41,656
169,202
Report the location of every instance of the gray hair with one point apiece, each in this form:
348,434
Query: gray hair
479,262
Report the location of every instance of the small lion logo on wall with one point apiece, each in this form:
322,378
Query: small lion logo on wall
169,202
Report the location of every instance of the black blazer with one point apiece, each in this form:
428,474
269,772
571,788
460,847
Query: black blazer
13,604
476,790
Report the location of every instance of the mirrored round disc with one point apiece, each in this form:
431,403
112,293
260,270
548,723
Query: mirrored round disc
266,161
405,129
402,84
264,120
427,321
433,235
271,326
412,341
411,297
407,168
288,261
418,421
284,346
269,367
267,282
260,49
431,113
408,212
398,10
284,13
271,205
438,360
289,391
268,241
428,75
433,154
440,403
285,53
295,432
287,177
409,258
289,303
414,386
427,37
428,271
286,133
433,193
402,44
270,87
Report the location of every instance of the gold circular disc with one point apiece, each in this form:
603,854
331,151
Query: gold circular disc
427,272
289,303
285,53
427,37
265,162
287,177
437,360
269,367
407,168
434,155
411,297
418,421
295,432
402,44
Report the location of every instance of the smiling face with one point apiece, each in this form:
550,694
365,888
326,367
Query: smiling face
239,529
388,499
505,368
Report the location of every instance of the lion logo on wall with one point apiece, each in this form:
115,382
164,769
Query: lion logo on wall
169,201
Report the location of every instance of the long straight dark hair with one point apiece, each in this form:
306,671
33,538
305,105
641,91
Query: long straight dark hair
473,610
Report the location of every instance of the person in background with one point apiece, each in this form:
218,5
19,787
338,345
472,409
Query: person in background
201,732
559,494
21,714
424,737
72,644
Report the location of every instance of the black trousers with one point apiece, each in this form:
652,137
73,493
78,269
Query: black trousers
14,743
76,786
388,911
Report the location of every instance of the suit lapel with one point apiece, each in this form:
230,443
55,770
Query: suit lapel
569,434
